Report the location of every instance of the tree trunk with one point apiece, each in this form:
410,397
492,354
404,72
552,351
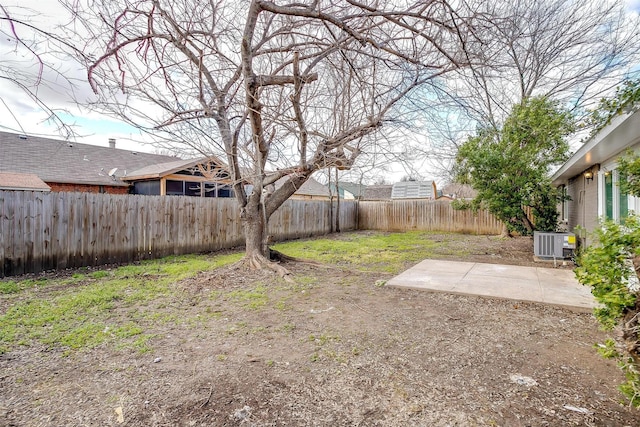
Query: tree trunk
337,204
257,252
255,230
528,224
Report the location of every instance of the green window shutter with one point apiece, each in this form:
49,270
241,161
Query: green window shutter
624,200
608,195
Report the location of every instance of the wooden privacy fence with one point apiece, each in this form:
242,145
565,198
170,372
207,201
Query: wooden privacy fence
42,231
424,215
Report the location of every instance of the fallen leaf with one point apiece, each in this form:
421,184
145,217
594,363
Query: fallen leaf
120,415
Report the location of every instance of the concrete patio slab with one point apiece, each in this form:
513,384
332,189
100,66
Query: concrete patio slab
536,284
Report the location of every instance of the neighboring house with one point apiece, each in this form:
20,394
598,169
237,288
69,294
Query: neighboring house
377,192
590,177
69,166
22,182
28,162
414,190
312,190
458,191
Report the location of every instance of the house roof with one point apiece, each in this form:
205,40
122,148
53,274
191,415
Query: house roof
459,191
377,192
413,190
164,169
356,189
160,169
623,132
70,162
311,187
22,181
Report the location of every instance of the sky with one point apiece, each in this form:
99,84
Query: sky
20,114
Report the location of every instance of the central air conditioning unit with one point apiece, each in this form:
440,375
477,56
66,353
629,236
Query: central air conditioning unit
553,245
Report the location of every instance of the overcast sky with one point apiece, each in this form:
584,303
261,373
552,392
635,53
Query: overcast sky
20,114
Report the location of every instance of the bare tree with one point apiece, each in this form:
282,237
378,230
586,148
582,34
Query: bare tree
281,90
571,52
31,66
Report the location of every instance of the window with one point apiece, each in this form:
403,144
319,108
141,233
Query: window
175,188
613,203
192,189
148,188
187,188
225,191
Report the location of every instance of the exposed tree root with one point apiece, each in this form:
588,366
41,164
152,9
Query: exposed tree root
258,262
273,263
280,257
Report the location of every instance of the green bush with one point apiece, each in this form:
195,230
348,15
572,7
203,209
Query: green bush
610,268
508,167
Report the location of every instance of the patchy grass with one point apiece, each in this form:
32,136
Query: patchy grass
383,252
251,298
74,314
12,286
9,287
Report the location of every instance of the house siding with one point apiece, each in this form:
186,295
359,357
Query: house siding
599,156
583,210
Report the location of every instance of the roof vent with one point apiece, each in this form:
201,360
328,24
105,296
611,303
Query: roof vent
112,143
22,136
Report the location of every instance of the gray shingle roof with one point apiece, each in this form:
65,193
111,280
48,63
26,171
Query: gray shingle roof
377,192
459,191
311,187
70,162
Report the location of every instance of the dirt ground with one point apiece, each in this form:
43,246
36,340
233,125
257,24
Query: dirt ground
334,349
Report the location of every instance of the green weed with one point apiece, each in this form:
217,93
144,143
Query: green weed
383,252
323,339
288,327
99,274
12,286
9,287
78,317
251,298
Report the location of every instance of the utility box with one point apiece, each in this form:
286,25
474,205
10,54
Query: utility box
553,245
